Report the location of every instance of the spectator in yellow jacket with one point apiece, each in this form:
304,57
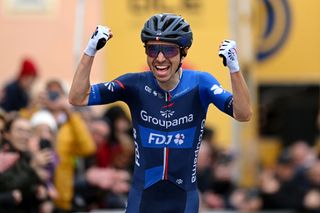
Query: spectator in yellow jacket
73,140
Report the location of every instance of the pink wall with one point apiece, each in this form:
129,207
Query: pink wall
48,38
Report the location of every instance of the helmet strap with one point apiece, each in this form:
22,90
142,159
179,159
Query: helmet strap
182,54
180,64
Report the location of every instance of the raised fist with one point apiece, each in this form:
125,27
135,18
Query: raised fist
228,51
98,39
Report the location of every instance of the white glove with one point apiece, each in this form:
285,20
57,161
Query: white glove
98,39
228,51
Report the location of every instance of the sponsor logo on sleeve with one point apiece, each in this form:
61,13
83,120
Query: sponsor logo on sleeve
110,86
217,89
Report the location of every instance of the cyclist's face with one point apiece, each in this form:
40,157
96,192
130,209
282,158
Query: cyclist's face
163,61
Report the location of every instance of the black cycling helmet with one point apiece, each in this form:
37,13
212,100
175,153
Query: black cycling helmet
167,27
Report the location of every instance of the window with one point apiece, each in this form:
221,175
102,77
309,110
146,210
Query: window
290,112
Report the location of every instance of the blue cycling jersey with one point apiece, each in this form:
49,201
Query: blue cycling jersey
167,130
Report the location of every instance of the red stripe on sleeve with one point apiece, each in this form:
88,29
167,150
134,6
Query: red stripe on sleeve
121,85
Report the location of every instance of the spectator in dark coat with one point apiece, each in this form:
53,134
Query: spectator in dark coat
278,189
21,189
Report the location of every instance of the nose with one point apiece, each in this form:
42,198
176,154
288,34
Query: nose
160,57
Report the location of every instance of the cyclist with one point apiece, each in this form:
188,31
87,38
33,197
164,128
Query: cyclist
168,107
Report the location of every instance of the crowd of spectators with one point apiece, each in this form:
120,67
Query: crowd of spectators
58,158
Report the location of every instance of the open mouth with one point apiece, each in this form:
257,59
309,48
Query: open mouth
162,68
162,71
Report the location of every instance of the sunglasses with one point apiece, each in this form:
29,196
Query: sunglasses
169,51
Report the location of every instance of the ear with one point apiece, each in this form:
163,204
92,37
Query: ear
184,53
186,50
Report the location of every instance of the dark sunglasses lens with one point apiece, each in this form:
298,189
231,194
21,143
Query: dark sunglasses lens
170,51
152,50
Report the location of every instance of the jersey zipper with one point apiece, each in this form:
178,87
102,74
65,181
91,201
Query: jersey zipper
166,148
165,162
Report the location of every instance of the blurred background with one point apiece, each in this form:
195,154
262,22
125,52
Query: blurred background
246,167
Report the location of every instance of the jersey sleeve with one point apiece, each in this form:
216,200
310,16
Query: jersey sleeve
109,92
211,91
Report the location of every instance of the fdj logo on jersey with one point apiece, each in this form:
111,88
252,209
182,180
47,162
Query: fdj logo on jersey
178,139
158,139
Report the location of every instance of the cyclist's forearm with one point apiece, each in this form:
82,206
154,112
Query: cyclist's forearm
80,88
241,100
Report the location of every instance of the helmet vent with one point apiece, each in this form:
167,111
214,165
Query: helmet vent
177,27
163,17
155,23
186,29
167,24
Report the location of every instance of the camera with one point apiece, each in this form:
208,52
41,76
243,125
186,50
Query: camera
45,143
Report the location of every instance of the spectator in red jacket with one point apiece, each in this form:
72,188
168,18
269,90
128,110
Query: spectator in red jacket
16,94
